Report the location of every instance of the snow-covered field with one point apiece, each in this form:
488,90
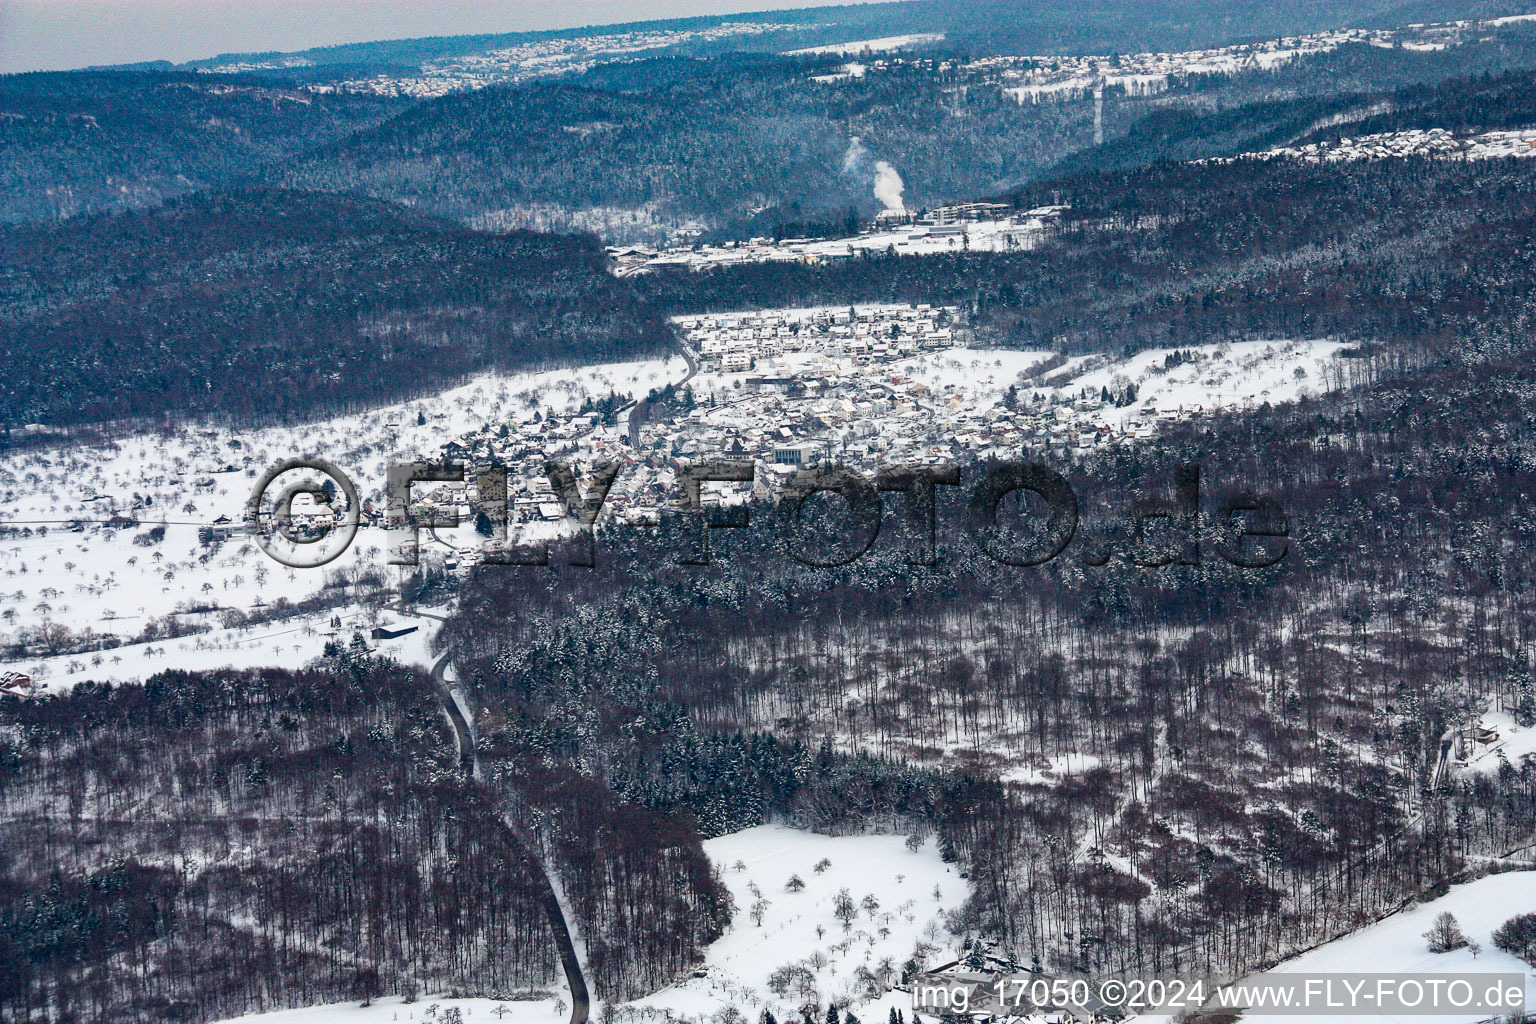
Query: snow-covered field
426,1010
1223,377
116,580
899,895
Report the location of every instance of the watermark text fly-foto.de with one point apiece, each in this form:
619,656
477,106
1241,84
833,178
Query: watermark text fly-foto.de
1003,995
1246,529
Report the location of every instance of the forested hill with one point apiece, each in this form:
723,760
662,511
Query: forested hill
75,142
1105,26
1274,731
746,144
706,143
210,844
1491,99
1407,256
337,283
677,135
262,302
241,302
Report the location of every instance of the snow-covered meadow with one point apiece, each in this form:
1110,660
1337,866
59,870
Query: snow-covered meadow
787,946
881,45
1230,376
426,1010
911,890
788,943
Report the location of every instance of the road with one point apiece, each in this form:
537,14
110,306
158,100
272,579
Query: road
459,716
638,414
462,721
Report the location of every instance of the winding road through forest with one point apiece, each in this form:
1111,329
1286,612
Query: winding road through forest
462,720
456,708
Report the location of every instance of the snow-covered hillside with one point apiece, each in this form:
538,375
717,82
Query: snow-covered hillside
748,966
1424,142
1397,945
426,1010
883,44
539,58
788,947
63,565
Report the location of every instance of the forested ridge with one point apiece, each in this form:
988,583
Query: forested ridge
76,142
261,289
1355,90
263,302
1266,739
690,135
742,144
710,146
207,845
990,26
276,304
1259,746
1403,255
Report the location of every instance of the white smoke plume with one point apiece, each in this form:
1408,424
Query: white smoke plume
854,158
889,187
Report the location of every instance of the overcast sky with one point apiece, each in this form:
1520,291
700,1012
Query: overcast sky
53,34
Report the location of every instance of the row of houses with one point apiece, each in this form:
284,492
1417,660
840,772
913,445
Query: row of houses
738,343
